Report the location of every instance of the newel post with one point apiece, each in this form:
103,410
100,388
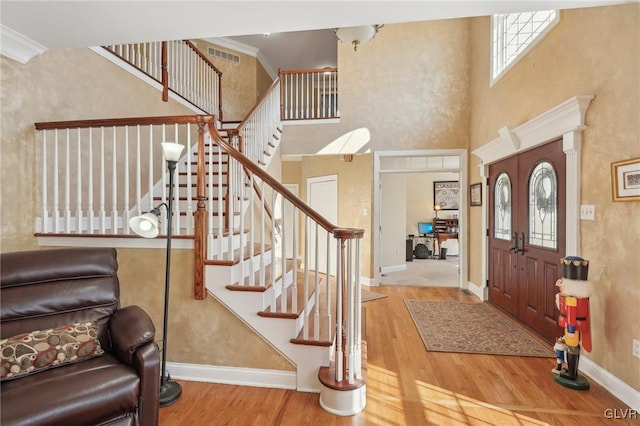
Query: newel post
348,305
200,222
165,73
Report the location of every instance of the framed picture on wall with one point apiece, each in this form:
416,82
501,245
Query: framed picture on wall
625,180
475,194
447,194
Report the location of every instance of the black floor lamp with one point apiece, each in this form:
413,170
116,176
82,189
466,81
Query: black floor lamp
146,225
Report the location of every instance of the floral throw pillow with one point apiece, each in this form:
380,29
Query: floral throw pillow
40,350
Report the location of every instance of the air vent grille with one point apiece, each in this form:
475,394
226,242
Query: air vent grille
224,55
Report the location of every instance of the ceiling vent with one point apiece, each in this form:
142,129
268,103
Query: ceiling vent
224,55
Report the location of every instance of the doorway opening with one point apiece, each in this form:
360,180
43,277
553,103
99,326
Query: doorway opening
404,182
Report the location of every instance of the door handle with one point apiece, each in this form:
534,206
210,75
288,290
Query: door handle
520,248
514,243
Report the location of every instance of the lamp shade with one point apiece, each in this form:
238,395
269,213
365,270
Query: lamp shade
356,36
172,150
145,225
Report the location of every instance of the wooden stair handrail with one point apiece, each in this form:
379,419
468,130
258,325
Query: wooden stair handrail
131,121
308,71
341,233
246,118
201,55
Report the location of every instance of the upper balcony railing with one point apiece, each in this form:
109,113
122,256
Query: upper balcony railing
180,67
309,94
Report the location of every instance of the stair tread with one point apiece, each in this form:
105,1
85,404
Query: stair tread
245,252
278,311
324,326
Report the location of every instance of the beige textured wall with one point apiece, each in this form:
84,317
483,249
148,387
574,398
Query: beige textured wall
263,80
355,181
409,87
591,51
239,81
78,84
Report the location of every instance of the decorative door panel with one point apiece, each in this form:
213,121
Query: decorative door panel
537,236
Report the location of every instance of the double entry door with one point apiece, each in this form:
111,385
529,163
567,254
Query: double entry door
527,235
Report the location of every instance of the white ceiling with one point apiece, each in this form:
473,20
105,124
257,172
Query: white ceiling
70,24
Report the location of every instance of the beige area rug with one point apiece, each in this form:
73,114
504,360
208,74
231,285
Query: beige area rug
478,328
426,273
371,295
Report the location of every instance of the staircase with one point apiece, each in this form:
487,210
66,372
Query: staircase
225,203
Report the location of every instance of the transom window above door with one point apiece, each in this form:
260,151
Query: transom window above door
514,34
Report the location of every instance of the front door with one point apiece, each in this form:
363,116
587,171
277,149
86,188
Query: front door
527,235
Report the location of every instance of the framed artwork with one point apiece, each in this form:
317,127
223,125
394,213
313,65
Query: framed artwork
475,194
447,194
625,180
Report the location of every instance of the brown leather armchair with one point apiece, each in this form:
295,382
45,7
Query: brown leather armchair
45,289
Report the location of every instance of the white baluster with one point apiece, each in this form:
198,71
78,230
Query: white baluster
307,237
252,280
350,316
243,240
283,261
328,292
103,212
125,207
262,234
273,253
231,204
90,212
189,226
67,185
79,215
138,176
316,287
45,183
220,202
164,181
177,219
114,183
210,202
56,183
150,177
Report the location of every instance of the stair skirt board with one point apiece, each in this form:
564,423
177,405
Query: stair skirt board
343,403
239,376
278,332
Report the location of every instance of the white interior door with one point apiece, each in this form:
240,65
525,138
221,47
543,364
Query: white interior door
393,221
322,196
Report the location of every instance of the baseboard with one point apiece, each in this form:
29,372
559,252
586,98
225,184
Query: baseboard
239,376
395,268
481,292
611,383
368,282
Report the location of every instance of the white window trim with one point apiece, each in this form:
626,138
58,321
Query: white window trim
534,43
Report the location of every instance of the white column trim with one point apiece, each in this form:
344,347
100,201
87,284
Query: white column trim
571,145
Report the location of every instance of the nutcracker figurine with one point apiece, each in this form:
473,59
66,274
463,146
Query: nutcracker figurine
573,303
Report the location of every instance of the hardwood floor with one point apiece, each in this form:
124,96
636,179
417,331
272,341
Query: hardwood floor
409,386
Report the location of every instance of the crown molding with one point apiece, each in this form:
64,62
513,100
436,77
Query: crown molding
17,46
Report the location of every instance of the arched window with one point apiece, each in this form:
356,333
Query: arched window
543,206
502,207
